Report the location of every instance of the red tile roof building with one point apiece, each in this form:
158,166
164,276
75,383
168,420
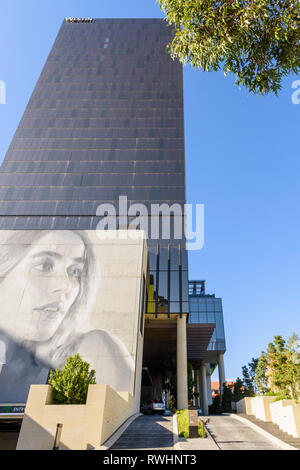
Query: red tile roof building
216,385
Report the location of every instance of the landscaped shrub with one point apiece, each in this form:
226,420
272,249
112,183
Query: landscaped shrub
70,385
183,424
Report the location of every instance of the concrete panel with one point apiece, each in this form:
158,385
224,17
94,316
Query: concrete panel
64,292
286,414
261,407
244,406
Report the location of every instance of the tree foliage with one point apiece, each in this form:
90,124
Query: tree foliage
256,40
216,407
283,367
70,385
169,379
249,372
191,382
261,379
238,390
246,386
226,398
278,369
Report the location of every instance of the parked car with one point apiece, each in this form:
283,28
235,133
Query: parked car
153,406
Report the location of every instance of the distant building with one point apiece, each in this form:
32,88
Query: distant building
206,314
215,387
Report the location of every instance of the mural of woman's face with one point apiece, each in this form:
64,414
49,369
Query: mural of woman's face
40,290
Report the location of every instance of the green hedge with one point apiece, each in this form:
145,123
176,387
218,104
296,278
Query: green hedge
183,424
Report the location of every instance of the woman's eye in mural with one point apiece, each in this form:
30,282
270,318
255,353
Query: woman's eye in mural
46,266
75,272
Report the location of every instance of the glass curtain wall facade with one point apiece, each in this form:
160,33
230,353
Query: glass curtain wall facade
206,308
105,120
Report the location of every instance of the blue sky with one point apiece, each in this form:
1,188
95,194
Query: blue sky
242,163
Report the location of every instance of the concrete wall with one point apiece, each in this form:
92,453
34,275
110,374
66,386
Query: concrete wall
244,406
110,339
284,413
261,407
84,426
65,292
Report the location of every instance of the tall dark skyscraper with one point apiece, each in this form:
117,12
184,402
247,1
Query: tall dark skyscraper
104,120
102,132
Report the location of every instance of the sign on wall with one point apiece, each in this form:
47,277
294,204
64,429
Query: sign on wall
12,410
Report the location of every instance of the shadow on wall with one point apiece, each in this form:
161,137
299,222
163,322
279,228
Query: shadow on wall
9,433
19,369
43,439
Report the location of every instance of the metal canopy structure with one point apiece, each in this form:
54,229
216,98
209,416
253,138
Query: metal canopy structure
198,338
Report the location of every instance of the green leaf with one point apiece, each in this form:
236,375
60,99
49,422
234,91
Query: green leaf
71,384
258,40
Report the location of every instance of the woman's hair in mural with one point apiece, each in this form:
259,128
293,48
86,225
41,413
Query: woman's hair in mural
14,246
